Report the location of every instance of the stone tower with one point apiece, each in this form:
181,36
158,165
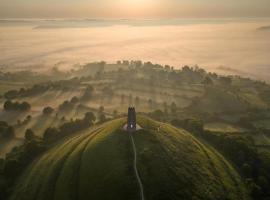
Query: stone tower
131,121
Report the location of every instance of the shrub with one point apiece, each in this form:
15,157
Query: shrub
90,117
74,100
102,118
29,135
47,110
66,105
50,133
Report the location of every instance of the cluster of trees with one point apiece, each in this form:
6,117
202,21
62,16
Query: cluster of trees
16,106
6,131
23,92
47,110
70,127
17,160
101,115
43,87
156,74
253,165
88,93
67,105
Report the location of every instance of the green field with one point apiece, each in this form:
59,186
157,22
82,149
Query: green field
97,164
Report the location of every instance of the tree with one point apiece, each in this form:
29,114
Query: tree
47,110
88,93
102,118
11,94
25,106
74,100
29,135
90,117
226,81
28,118
207,81
8,105
101,109
16,106
50,133
66,105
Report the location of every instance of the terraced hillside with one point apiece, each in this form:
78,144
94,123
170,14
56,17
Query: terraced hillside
98,164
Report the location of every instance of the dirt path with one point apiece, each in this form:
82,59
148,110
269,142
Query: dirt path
135,167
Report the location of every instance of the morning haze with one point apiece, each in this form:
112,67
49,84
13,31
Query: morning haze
134,99
133,8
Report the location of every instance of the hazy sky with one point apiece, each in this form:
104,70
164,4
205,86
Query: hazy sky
133,8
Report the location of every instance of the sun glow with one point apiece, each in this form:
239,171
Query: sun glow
138,8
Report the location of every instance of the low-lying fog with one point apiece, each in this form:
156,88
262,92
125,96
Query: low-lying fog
225,46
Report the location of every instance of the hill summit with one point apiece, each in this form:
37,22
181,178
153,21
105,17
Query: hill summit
98,164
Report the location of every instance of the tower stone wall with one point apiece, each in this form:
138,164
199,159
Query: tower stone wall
131,121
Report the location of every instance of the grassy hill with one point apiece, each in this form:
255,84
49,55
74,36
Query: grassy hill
98,164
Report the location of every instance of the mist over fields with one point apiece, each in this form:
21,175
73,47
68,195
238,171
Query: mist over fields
224,46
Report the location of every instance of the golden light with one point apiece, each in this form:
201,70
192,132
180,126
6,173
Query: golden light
137,8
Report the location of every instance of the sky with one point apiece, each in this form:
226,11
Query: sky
134,8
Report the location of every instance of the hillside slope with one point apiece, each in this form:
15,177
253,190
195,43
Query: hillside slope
98,164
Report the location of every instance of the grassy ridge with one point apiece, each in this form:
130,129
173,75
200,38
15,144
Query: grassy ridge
185,168
97,164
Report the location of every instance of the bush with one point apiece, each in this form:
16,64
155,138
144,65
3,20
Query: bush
65,106
102,118
90,117
29,135
50,133
69,127
47,110
88,93
74,100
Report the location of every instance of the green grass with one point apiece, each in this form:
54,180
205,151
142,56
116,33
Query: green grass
97,164
186,168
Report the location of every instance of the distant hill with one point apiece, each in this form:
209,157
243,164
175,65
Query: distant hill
98,164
